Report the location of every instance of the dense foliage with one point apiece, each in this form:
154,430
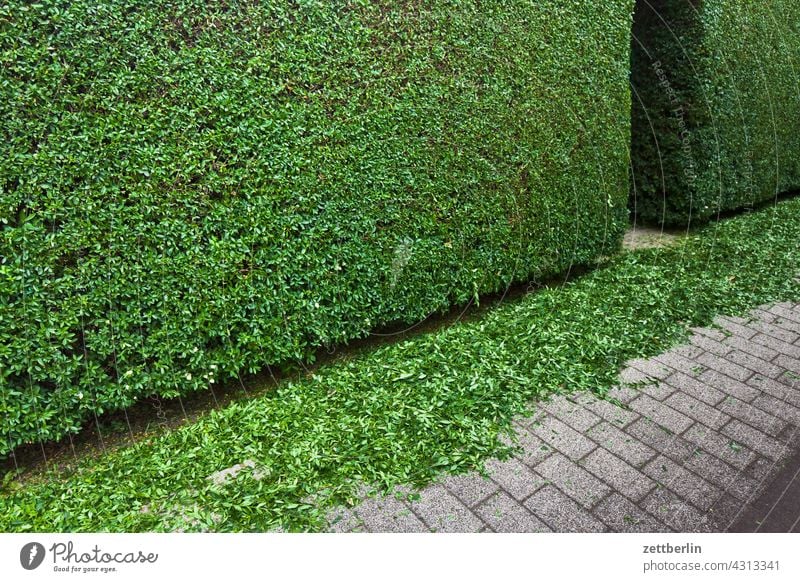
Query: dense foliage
192,189
716,106
409,410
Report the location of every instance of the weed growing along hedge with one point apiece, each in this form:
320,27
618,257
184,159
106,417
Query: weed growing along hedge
192,189
716,106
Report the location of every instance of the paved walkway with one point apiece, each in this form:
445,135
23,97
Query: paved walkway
700,432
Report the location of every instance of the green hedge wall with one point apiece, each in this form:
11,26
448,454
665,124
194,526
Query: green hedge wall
716,106
194,189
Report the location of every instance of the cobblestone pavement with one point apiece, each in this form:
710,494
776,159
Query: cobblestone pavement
697,433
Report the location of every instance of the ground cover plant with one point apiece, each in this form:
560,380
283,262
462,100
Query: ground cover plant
716,107
191,190
407,411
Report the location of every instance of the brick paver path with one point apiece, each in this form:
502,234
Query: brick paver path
698,433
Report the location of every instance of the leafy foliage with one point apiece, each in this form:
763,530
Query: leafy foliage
716,106
194,189
407,411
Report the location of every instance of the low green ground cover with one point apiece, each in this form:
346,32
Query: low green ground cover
404,412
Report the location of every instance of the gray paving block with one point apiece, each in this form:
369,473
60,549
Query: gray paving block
561,513
689,351
775,331
661,413
676,362
621,515
736,482
686,484
753,348
754,439
660,439
787,323
503,514
620,475
563,438
728,385
571,413
754,363
735,326
697,410
725,366
651,368
514,477
710,345
675,512
753,416
623,394
696,388
776,345
780,390
622,444
531,449
443,512
785,311
709,332
471,488
342,520
388,514
787,363
610,412
723,447
574,480
779,408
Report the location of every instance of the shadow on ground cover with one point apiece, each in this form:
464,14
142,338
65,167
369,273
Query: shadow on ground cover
409,410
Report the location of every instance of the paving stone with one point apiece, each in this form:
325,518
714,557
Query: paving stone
443,512
696,388
563,438
775,331
514,477
762,468
623,394
755,439
785,311
660,439
504,514
682,481
734,481
699,411
710,345
678,363
756,349
561,513
791,364
780,390
779,408
728,385
613,413
573,479
722,447
709,332
620,475
754,364
735,326
388,514
753,416
658,390
725,366
621,444
724,511
571,413
651,368
533,449
776,345
621,515
787,323
675,512
342,520
661,413
471,488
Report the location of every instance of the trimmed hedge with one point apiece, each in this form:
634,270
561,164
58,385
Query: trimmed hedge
190,190
716,106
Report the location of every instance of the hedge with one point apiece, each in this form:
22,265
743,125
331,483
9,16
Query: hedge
716,106
193,190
